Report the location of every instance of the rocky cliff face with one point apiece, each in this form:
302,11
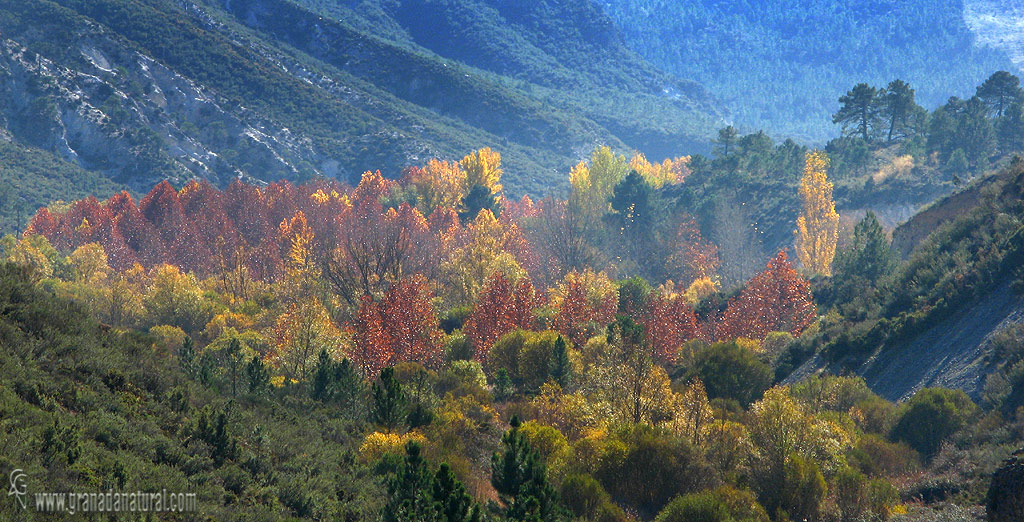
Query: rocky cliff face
123,113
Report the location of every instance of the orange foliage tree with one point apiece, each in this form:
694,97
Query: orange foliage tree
503,306
777,299
403,326
584,302
691,257
668,322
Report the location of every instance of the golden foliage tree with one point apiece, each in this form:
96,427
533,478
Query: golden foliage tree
592,185
583,303
440,184
658,175
693,413
89,264
471,255
483,167
300,333
817,228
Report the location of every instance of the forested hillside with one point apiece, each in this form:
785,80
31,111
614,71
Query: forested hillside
141,90
781,67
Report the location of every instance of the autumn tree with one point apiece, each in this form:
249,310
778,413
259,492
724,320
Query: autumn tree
411,322
89,264
301,273
592,185
300,333
668,172
626,378
562,235
777,299
818,225
691,257
483,168
583,302
375,247
669,322
162,207
473,254
370,343
402,326
175,298
440,184
503,306
789,444
693,414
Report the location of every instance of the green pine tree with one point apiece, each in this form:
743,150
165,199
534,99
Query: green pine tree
257,377
234,362
187,356
411,491
519,476
859,112
450,494
503,386
323,377
561,367
389,409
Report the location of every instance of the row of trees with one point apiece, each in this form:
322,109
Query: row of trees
965,133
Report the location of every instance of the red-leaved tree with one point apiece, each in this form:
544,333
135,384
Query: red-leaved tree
503,306
777,299
668,322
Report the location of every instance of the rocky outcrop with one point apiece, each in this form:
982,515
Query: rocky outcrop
122,113
1005,502
908,235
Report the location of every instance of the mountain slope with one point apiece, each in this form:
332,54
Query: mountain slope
140,90
999,24
933,322
782,67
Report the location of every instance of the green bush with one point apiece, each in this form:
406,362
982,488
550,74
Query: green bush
644,467
930,417
584,495
695,507
725,504
730,371
803,490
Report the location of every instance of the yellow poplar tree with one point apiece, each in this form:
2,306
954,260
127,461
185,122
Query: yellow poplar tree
593,185
467,264
483,167
817,228
660,174
440,184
